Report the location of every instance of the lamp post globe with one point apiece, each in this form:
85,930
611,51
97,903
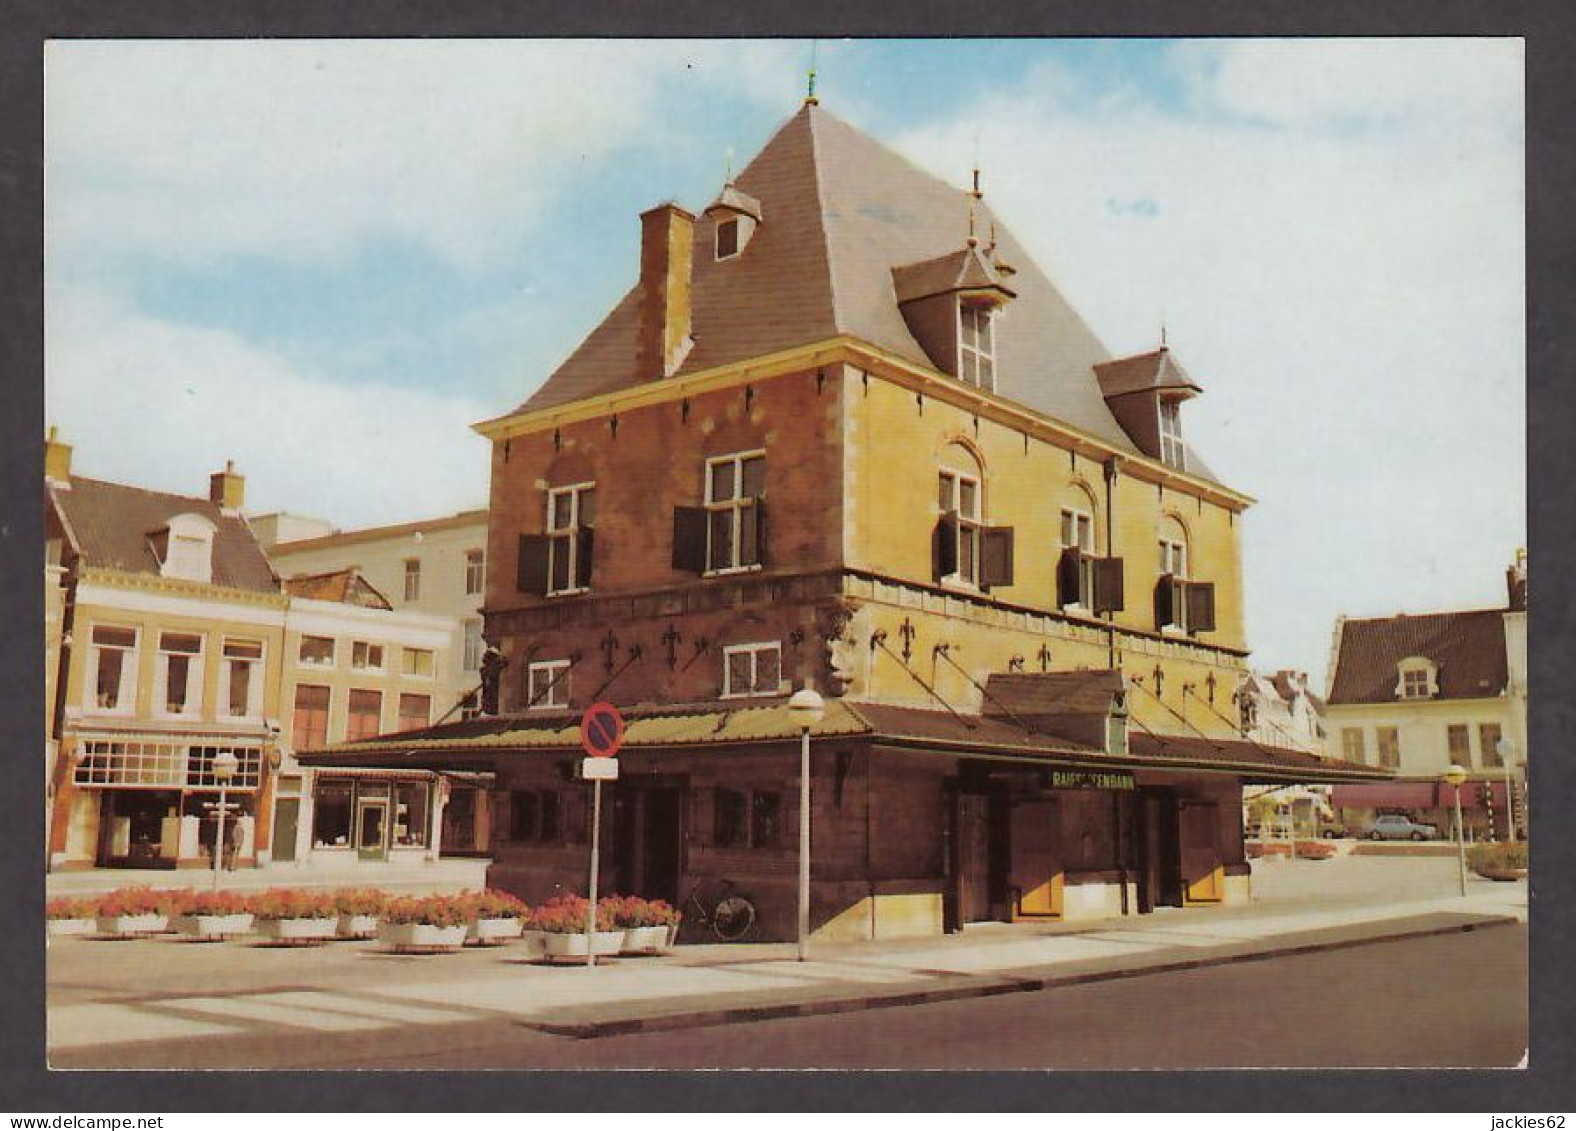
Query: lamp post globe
806,708
225,763
1455,775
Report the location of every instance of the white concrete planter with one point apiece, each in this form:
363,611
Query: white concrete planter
59,927
125,926
647,940
297,930
491,932
574,946
212,926
357,926
421,937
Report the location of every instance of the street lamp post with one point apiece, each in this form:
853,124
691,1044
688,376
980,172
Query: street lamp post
1506,749
806,707
224,765
1455,775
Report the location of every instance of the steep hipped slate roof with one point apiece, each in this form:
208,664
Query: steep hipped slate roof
112,523
840,212
345,586
1468,648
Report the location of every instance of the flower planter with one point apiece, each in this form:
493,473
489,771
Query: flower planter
492,932
357,926
131,926
421,938
83,926
212,926
574,945
533,944
646,940
297,931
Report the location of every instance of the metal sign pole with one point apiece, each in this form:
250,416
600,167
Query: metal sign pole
596,844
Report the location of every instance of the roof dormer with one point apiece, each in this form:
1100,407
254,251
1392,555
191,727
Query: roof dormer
1145,394
184,548
734,216
951,304
1417,677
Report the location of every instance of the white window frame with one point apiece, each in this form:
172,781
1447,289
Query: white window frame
1173,564
1172,450
983,358
408,671
539,675
565,539
254,680
475,572
126,689
358,664
970,526
303,662
738,503
1349,747
197,661
754,651
1082,523
473,645
412,579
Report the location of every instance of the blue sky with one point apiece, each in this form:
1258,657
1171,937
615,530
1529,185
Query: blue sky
318,257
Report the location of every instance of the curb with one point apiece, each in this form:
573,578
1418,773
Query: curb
992,986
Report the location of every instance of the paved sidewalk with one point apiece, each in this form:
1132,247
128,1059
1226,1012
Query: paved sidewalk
234,1003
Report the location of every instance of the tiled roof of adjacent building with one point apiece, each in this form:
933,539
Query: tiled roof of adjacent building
1467,648
111,525
345,586
840,211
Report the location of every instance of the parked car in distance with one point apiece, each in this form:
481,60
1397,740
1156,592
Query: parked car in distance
1393,826
1332,830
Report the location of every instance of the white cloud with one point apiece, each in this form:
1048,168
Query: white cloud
1349,293
304,148
162,406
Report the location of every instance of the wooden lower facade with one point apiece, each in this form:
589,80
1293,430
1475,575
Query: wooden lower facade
904,842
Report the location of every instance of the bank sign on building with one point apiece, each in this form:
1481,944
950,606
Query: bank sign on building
843,432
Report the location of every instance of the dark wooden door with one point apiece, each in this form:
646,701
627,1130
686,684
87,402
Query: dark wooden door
287,819
973,848
1036,875
660,842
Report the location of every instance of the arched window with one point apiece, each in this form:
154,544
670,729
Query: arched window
965,551
1173,547
1181,605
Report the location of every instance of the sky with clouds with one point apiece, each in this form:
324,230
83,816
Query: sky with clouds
326,259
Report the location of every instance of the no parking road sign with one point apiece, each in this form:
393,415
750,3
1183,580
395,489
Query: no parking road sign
602,730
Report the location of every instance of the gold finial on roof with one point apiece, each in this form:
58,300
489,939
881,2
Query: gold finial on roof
809,98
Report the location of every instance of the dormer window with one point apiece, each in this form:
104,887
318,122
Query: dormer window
1171,449
1417,678
976,345
185,548
727,239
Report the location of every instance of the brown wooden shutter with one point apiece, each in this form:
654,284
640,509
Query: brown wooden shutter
760,531
1108,588
996,556
1164,613
531,567
583,554
689,539
1067,577
944,546
1201,606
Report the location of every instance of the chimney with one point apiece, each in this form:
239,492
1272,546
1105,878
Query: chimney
226,488
666,261
57,460
1516,582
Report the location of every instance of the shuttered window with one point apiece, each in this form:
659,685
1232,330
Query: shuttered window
958,496
571,515
735,512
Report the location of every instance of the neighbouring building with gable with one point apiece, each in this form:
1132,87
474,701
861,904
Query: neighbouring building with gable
171,629
844,433
1415,693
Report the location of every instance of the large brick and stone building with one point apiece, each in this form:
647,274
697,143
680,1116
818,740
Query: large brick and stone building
843,432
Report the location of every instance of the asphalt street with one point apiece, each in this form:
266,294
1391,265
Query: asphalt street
1452,1000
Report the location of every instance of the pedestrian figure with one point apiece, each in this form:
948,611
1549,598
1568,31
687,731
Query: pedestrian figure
233,838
